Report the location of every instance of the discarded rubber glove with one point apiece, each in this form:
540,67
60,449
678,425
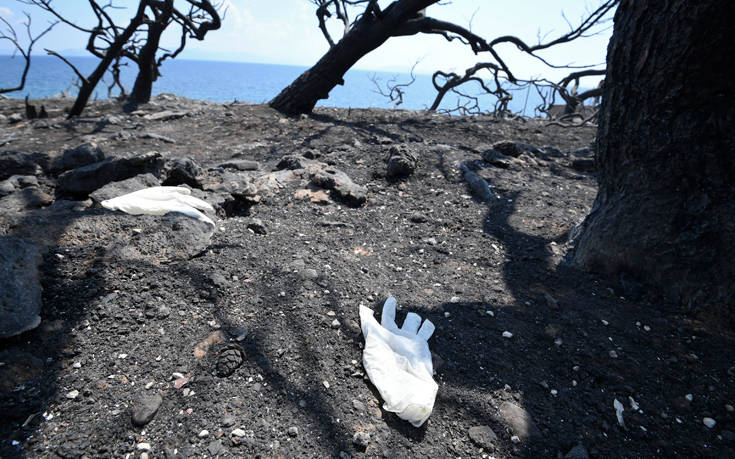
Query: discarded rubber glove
398,362
160,200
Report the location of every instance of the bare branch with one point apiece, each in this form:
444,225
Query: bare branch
10,35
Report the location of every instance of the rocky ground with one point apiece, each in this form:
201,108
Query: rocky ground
158,337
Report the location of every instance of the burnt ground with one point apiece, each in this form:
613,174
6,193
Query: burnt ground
112,330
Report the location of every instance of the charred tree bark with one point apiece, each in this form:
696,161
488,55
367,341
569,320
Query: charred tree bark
89,83
367,34
147,64
665,210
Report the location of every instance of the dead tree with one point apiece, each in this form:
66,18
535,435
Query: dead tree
374,26
7,32
138,42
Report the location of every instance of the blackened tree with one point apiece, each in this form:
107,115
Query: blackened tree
8,32
665,209
138,42
373,26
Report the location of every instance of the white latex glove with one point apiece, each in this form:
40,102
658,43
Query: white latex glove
398,362
160,200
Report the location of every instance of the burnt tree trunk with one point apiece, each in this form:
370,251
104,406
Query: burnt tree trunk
665,209
85,92
147,64
367,34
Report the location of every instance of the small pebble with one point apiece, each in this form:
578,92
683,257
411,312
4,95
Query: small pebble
558,341
729,408
447,314
73,394
77,365
203,434
302,403
143,455
293,431
336,324
515,439
122,356
143,447
150,384
326,384
605,322
237,433
689,397
613,354
490,313
709,422
454,299
646,328
507,334
554,392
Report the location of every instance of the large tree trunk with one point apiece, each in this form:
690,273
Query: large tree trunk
665,210
366,35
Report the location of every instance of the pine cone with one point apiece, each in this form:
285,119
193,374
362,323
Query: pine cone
229,359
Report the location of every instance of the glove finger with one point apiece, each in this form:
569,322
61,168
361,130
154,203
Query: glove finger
388,317
427,329
412,322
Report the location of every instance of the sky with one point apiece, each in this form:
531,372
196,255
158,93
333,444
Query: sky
286,32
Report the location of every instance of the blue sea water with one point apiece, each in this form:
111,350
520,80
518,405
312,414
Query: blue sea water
248,82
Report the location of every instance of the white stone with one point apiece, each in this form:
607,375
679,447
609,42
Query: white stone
709,422
326,384
203,434
143,447
515,439
73,394
237,433
507,334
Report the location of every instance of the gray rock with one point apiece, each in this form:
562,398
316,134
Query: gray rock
215,448
15,118
182,171
162,138
83,155
342,186
165,115
402,162
84,180
145,408
518,420
358,405
166,238
483,436
20,302
325,176
19,163
241,165
293,431
310,273
578,452
17,182
27,198
418,217
479,188
115,189
361,439
257,226
228,420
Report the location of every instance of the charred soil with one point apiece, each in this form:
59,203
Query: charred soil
253,342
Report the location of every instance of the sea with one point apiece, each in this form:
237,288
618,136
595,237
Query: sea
247,82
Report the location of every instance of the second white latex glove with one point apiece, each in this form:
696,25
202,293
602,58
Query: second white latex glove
160,200
398,362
